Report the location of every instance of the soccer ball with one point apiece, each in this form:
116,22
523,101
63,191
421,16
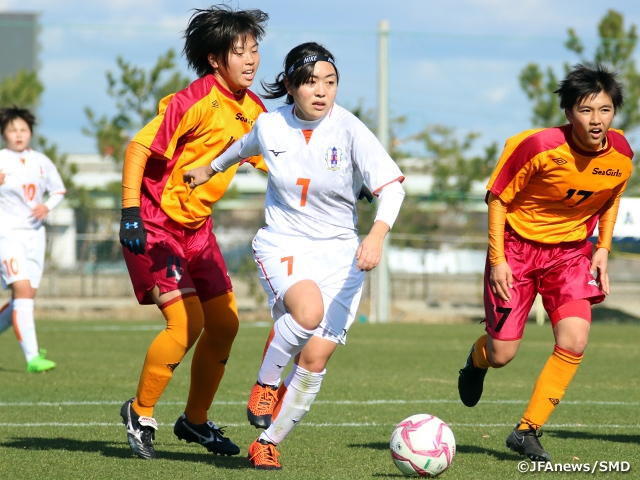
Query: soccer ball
422,445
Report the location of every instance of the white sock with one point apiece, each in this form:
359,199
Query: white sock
6,316
287,342
25,326
302,391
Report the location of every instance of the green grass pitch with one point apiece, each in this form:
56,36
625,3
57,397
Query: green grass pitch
65,423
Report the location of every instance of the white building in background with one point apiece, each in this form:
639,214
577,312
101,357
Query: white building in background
628,223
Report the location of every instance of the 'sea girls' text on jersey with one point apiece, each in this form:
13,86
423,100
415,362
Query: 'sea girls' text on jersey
555,190
194,126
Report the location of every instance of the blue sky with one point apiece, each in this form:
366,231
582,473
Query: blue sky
453,62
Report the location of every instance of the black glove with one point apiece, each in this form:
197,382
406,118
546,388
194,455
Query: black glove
365,193
132,232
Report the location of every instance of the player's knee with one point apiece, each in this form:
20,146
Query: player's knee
309,316
500,358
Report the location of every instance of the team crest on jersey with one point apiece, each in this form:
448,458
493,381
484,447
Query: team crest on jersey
334,158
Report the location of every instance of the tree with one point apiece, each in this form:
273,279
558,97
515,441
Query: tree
453,167
23,90
136,93
616,50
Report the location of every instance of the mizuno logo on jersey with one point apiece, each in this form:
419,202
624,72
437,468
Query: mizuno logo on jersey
609,172
275,154
244,119
559,160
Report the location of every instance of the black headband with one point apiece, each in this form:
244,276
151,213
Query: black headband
309,59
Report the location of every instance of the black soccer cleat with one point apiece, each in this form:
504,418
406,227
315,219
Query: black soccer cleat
140,431
208,435
470,382
525,442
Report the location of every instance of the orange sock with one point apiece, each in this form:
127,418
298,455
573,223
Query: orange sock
184,323
550,387
479,356
211,355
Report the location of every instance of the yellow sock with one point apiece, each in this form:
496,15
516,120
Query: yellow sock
211,355
184,323
479,356
550,387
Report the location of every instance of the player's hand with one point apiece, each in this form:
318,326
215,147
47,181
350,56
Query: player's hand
40,211
501,280
600,269
132,232
198,176
365,193
370,250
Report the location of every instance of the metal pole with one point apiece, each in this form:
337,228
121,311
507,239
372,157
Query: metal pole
383,294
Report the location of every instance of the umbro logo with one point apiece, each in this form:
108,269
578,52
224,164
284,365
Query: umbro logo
215,104
275,154
172,366
592,282
559,160
555,401
224,361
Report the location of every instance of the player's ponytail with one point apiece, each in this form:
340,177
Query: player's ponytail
298,69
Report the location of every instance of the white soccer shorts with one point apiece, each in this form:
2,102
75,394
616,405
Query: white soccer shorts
22,255
284,260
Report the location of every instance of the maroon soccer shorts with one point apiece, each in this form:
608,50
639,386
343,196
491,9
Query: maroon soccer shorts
560,273
175,258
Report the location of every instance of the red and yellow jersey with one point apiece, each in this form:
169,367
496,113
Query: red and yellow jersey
553,189
194,126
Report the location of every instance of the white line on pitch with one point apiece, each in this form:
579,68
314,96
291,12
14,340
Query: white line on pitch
346,424
131,328
321,402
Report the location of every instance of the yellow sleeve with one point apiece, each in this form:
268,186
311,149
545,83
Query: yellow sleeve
497,220
607,222
135,160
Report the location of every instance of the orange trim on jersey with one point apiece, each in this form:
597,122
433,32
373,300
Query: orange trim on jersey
377,190
307,135
135,160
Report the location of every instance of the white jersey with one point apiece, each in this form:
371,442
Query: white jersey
313,186
28,176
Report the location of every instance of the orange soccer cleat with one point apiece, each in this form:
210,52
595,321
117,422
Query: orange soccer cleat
264,456
261,403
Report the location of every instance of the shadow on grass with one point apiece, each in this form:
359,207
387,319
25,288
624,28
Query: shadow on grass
602,314
500,455
108,449
608,437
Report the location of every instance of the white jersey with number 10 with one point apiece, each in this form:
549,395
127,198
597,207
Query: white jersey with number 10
28,176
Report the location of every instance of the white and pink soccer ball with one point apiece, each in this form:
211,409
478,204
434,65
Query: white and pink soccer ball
422,445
